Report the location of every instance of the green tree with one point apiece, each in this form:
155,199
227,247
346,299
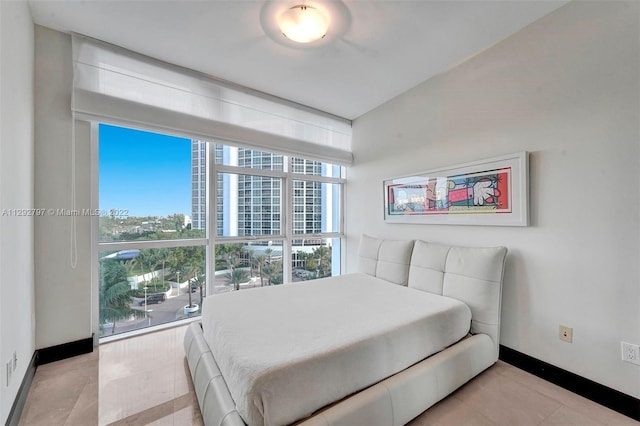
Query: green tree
260,261
233,261
184,260
226,249
268,252
147,261
223,251
273,273
114,297
249,254
192,269
237,276
200,282
130,266
177,220
322,255
163,256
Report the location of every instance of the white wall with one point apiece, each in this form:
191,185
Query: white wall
567,90
63,295
16,192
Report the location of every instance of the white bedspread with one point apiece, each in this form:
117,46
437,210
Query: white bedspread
289,350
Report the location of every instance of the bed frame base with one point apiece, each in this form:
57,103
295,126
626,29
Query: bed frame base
394,401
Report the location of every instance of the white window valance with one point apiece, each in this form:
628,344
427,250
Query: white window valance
115,84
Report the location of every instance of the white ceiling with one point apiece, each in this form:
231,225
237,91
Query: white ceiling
374,50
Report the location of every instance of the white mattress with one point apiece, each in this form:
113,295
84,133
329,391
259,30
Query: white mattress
289,350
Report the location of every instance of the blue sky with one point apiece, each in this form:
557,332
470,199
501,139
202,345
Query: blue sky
148,174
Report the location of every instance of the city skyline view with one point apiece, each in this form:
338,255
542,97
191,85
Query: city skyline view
155,179
144,173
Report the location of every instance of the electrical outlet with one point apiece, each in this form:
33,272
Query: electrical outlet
566,334
630,353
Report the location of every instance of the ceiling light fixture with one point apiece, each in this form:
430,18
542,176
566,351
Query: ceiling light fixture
303,24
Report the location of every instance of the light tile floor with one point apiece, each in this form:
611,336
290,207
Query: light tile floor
64,393
145,381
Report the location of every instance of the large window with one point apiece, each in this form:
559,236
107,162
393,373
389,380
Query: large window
152,228
250,213
278,220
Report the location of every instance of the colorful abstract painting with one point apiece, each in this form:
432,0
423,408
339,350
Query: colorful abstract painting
488,192
482,192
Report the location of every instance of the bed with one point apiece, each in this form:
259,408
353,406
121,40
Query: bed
379,346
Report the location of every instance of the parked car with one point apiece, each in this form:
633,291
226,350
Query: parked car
154,298
303,273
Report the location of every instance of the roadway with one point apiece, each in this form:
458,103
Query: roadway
158,313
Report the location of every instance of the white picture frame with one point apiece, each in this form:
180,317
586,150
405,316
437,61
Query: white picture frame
492,192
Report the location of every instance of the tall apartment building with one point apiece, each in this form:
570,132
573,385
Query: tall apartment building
258,203
259,198
198,184
252,205
307,198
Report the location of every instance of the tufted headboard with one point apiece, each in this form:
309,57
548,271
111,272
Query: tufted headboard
385,259
472,275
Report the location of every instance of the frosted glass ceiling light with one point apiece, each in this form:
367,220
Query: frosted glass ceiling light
303,24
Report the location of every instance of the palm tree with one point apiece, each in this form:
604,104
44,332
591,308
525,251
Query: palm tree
261,262
164,256
323,256
189,272
147,260
182,257
272,272
114,299
130,266
192,270
237,276
233,260
268,252
151,259
249,252
223,251
200,281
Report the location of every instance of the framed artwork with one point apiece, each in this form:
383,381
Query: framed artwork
488,192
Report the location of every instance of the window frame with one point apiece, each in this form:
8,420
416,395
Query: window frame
99,246
287,208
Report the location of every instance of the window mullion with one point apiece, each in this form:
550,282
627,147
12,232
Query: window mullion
211,217
251,172
123,245
313,178
250,239
305,201
318,235
287,208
